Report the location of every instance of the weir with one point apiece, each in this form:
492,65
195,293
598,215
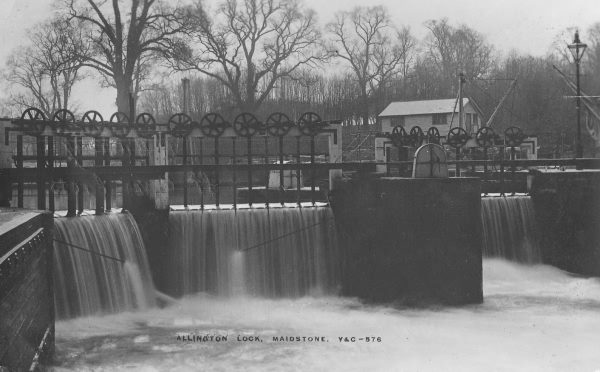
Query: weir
509,229
275,252
91,283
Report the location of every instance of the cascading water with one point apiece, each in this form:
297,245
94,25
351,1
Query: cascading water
88,284
276,252
509,228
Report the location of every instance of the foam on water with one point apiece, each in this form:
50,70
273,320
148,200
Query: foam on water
535,318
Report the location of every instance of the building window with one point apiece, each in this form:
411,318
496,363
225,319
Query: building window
397,121
439,119
475,119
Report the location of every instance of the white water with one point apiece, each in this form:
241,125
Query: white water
215,251
508,228
87,284
534,318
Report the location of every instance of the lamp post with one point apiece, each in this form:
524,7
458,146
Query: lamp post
577,49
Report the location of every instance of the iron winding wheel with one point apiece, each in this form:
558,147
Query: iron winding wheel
433,135
120,124
145,125
245,124
485,137
457,137
398,136
310,124
416,136
95,126
180,125
513,136
33,121
213,125
279,124
64,119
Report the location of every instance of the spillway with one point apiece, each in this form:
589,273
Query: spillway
275,252
509,228
89,284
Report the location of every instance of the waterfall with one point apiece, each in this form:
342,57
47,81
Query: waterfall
509,228
275,252
86,283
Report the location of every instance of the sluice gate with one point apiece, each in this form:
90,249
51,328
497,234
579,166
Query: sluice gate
240,206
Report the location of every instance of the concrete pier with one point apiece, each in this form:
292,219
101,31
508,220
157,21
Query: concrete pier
411,241
567,210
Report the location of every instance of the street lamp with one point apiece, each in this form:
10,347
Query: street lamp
577,49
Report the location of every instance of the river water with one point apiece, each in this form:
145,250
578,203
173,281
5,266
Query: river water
534,318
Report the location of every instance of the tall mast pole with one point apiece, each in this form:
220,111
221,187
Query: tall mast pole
461,80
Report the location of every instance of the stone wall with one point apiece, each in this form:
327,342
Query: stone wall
26,289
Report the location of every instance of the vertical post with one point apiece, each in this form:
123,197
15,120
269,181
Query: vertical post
108,183
80,184
217,178
335,154
41,172
185,82
234,175
125,160
267,162
457,162
6,162
132,162
50,173
184,161
513,169
20,166
98,161
502,170
201,161
249,170
485,158
298,171
312,169
281,172
461,80
579,145
71,163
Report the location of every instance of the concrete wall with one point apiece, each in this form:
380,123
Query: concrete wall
567,210
26,289
412,241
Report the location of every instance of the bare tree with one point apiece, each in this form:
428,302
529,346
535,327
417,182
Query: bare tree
249,45
125,37
376,51
593,58
452,50
48,67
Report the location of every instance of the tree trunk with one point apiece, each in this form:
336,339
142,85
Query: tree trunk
365,111
122,94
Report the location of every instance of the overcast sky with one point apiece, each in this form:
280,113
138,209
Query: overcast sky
528,26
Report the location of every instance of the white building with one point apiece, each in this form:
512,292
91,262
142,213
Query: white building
431,113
